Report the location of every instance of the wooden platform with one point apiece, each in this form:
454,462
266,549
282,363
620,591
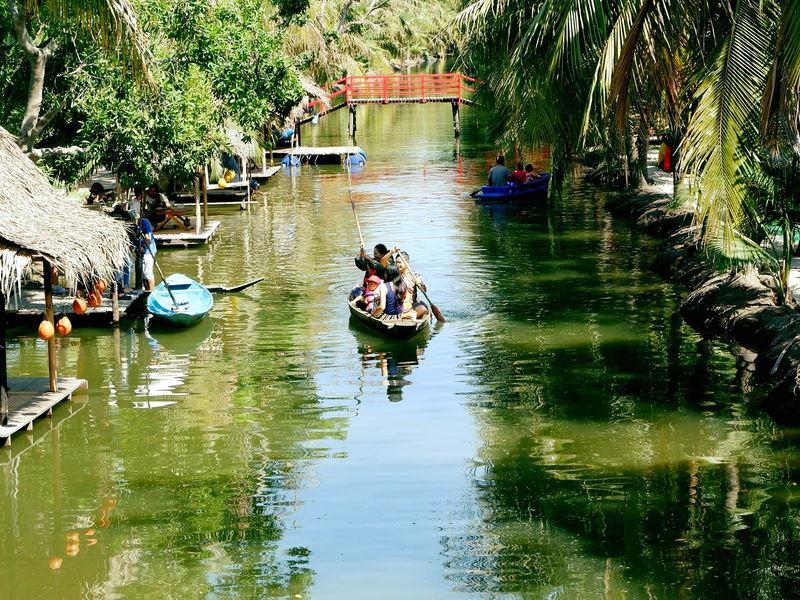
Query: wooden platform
177,237
320,154
264,175
29,308
29,399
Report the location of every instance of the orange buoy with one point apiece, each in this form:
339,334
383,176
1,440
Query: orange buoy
94,299
72,549
79,306
46,330
54,562
64,326
100,286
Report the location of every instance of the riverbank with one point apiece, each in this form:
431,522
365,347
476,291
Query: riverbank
741,307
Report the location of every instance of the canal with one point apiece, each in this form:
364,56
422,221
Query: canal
563,435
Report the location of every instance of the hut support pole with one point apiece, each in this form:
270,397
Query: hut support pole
352,124
197,204
48,309
115,303
456,120
205,196
3,365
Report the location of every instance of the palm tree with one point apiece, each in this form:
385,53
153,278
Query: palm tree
582,72
112,23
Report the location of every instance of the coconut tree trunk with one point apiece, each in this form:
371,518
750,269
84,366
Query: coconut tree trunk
788,239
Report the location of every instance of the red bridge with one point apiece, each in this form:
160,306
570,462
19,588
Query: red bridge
419,88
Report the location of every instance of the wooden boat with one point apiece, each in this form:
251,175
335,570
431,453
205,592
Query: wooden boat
390,326
509,193
194,301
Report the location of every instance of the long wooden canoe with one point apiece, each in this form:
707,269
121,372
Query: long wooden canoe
390,326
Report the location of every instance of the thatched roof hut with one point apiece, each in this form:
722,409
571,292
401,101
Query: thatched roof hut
38,220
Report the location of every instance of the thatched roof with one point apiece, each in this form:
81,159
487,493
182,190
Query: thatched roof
38,220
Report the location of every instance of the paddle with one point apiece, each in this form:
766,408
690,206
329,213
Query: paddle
163,279
436,312
353,206
232,289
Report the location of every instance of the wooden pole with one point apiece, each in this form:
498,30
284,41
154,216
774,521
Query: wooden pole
48,309
197,204
115,302
205,195
3,365
456,120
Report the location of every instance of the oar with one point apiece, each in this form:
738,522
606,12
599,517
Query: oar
164,279
353,206
436,312
232,289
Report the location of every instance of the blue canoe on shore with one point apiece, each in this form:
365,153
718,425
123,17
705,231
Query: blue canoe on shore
509,193
193,301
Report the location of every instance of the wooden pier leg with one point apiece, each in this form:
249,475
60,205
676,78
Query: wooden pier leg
456,120
197,204
297,133
48,309
115,303
3,366
352,124
205,196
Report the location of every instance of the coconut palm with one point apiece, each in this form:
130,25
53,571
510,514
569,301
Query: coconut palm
113,25
714,73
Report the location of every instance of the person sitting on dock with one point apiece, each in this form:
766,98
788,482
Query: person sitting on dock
530,174
519,176
412,308
97,193
499,173
147,249
135,205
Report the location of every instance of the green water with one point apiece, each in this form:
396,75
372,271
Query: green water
564,435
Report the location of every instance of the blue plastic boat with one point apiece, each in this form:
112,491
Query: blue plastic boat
509,193
193,301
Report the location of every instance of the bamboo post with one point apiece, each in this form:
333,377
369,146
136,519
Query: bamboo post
205,195
115,302
456,120
197,205
3,365
48,309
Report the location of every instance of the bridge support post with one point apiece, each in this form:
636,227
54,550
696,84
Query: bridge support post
456,119
352,126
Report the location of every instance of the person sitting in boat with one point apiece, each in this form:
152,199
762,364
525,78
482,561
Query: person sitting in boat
407,292
370,294
499,173
386,302
530,174
519,176
147,250
375,265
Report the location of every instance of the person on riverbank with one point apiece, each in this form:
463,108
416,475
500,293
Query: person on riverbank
147,250
499,173
412,308
519,176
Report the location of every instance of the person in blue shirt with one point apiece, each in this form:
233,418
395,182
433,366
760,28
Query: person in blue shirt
147,248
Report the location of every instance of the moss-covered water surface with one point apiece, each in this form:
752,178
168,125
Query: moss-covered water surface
564,435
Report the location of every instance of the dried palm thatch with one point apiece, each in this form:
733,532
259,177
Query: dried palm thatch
38,220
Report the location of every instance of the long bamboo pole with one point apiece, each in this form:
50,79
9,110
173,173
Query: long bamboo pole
48,309
197,204
205,196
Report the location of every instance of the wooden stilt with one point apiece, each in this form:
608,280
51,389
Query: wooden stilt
297,133
48,308
197,205
205,196
456,120
3,365
352,123
115,303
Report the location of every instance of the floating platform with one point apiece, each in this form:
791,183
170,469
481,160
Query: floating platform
183,238
28,309
264,175
320,155
30,398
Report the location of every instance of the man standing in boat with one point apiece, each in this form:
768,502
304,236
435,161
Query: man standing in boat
381,258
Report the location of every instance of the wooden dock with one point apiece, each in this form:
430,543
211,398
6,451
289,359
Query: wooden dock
185,238
28,308
29,398
320,154
264,175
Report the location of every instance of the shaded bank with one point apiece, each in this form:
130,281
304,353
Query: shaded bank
740,306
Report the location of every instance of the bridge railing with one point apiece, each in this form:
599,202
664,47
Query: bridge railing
417,87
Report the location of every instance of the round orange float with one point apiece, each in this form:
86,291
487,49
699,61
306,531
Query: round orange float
100,286
79,306
46,330
54,562
64,326
94,299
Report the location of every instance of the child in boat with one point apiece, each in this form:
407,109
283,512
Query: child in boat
370,293
519,176
530,173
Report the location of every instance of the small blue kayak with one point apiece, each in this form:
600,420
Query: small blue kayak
193,301
502,193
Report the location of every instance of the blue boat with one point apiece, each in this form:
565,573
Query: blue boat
193,301
511,192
